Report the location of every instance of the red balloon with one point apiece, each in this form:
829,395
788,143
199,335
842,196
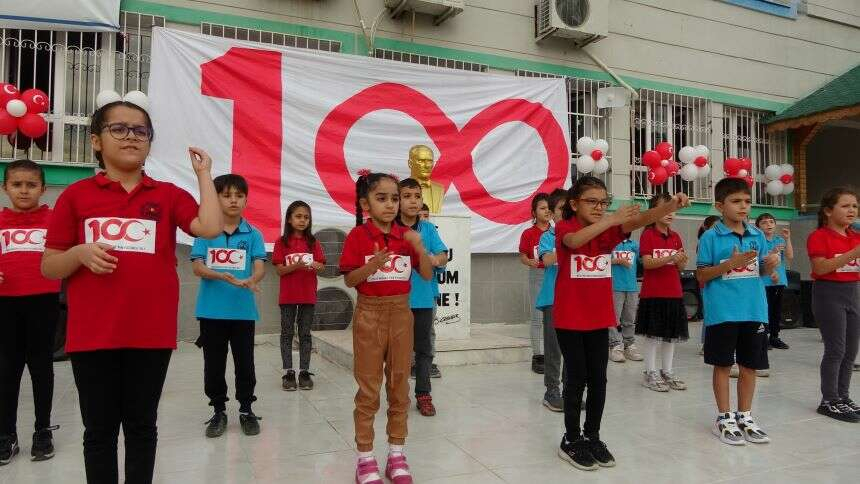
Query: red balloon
651,159
750,181
32,125
786,179
8,123
666,150
746,164
36,100
732,166
700,161
658,176
596,155
672,168
8,92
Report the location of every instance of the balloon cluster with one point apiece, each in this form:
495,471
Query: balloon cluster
20,112
592,155
780,179
660,164
739,168
695,160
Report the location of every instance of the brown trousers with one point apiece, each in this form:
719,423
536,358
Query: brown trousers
382,330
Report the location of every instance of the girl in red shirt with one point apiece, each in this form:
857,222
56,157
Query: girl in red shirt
29,305
661,316
378,259
529,241
583,309
113,237
298,257
834,252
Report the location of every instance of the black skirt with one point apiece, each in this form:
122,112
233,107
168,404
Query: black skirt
662,318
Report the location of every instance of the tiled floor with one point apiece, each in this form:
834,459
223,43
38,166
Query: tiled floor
491,428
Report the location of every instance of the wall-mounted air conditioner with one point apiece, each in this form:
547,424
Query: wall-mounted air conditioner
584,21
441,10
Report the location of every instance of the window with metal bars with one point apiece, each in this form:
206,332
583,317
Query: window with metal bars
681,120
584,117
744,136
266,37
429,60
72,68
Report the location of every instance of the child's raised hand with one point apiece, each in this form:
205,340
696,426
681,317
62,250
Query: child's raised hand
316,266
681,200
200,160
413,238
380,257
681,258
742,259
624,214
95,258
786,233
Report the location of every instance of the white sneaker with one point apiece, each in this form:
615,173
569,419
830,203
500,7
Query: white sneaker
672,381
653,381
616,354
735,371
762,373
726,428
752,432
632,353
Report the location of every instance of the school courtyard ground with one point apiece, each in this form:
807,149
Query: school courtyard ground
490,428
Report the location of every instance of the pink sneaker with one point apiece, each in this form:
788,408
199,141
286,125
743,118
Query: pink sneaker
397,470
367,472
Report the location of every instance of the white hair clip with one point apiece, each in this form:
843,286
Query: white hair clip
138,98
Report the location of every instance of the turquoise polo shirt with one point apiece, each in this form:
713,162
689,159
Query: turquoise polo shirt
234,253
546,296
624,278
738,295
780,270
423,293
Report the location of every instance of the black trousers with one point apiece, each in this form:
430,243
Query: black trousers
585,360
27,338
774,309
120,388
215,336
423,348
292,316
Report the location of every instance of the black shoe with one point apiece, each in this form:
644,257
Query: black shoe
305,382
600,453
43,444
250,423
850,404
537,364
217,425
577,454
839,411
289,381
8,448
434,371
778,344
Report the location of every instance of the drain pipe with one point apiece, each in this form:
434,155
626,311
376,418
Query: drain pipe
609,71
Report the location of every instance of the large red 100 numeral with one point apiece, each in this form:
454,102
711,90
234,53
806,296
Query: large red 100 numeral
251,78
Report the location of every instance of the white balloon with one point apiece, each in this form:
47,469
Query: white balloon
702,150
664,162
742,173
786,169
16,108
772,172
138,98
585,164
601,167
602,145
787,188
584,145
689,172
774,188
687,154
704,171
106,97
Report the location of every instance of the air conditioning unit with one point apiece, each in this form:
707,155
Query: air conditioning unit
584,21
335,302
441,10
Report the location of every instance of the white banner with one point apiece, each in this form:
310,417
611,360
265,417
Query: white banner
78,15
453,317
300,124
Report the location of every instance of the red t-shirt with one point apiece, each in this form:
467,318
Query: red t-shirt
22,241
529,242
393,278
826,242
664,281
299,286
136,305
583,288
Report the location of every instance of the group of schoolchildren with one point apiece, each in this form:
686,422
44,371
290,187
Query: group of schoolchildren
112,238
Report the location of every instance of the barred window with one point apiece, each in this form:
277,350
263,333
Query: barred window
429,60
267,37
744,136
584,117
681,120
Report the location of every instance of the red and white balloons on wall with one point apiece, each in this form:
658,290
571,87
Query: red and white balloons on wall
780,179
592,157
21,112
695,160
660,164
739,168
